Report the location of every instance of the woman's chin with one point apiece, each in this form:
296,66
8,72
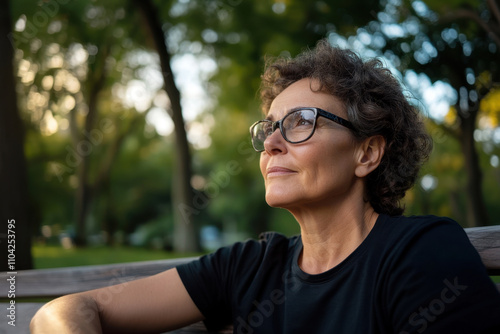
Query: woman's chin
278,201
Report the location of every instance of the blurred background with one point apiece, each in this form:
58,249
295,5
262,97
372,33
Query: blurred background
124,123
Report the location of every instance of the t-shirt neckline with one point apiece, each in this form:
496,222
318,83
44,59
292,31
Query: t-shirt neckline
348,261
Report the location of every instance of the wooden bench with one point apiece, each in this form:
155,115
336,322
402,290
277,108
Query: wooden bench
50,283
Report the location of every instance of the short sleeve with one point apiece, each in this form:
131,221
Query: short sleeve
438,284
212,280
203,279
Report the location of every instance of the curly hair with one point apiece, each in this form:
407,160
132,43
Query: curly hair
375,104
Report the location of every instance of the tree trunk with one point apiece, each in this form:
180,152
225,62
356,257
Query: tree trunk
84,147
185,232
102,184
476,209
456,207
14,198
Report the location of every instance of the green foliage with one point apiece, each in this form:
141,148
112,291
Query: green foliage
446,166
239,36
63,52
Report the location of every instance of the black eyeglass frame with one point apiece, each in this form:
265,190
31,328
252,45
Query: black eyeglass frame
318,112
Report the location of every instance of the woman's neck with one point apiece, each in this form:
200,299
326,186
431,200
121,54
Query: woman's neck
329,237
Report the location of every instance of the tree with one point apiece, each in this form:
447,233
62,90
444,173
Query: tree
69,58
435,39
185,235
98,37
14,202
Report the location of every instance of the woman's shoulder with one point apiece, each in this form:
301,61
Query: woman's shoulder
432,276
427,241
403,235
419,220
416,225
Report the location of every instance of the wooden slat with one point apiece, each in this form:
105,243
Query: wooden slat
61,281
486,240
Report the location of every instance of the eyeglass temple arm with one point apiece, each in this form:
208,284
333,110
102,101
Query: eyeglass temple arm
335,118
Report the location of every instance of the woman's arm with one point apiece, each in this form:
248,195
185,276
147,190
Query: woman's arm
77,313
149,305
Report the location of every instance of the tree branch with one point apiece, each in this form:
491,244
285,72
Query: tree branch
494,9
114,149
468,14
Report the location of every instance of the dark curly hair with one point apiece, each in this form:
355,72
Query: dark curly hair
376,105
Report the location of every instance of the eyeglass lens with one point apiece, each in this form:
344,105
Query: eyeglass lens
295,127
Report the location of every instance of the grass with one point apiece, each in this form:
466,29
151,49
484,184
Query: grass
57,257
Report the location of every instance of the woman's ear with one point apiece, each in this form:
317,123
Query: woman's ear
371,151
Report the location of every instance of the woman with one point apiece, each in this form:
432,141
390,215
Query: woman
339,147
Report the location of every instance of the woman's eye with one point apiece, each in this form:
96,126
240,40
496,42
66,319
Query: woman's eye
299,119
267,131
303,121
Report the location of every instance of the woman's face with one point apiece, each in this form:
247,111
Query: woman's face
317,171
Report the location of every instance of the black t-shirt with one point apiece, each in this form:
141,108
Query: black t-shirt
410,275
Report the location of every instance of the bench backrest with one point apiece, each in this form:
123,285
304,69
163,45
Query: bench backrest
60,281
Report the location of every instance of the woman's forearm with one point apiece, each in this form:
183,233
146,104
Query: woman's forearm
76,313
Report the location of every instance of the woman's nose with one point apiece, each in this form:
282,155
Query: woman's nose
275,143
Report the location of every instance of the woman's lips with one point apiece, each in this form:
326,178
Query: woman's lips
279,171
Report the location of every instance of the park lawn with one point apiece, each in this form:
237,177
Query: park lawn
57,256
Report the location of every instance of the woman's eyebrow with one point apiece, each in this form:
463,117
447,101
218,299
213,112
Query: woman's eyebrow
270,116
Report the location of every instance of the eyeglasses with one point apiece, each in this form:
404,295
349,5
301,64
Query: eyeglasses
296,127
